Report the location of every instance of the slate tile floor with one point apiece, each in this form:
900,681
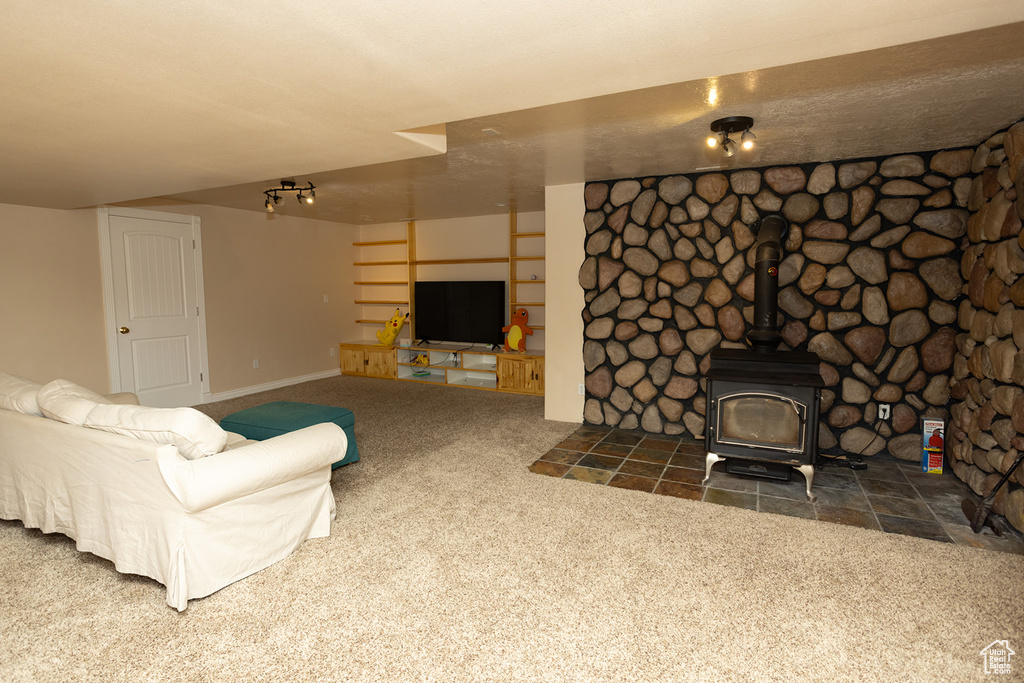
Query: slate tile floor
890,495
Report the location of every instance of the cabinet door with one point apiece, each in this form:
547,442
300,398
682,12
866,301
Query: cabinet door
536,385
353,361
521,375
381,363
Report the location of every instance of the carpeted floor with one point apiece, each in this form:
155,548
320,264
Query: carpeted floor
451,561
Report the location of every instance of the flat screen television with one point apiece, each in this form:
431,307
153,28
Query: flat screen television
471,311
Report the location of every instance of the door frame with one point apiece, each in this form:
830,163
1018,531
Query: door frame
103,215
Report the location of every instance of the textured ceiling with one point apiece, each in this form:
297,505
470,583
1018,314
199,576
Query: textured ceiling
110,101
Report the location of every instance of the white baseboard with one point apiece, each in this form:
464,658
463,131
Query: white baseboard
281,383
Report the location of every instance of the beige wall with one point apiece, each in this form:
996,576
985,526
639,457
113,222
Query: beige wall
563,362
51,297
265,281
265,277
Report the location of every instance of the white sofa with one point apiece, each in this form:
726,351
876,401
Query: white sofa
164,493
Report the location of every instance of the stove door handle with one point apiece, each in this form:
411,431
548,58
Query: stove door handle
796,407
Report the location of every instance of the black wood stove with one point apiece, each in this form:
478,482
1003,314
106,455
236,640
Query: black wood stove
763,404
763,412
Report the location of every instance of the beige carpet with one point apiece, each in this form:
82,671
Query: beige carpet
449,561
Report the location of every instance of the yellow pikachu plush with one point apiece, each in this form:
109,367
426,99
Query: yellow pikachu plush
389,334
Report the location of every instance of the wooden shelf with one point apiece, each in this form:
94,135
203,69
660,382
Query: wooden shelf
528,282
448,261
382,282
513,304
377,244
379,302
526,258
527,234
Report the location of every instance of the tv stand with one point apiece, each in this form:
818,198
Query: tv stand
454,365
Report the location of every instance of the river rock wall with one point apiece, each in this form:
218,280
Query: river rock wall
870,281
987,430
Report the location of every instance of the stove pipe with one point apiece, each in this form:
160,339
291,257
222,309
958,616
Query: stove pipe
765,337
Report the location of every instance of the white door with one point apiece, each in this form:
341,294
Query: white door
154,309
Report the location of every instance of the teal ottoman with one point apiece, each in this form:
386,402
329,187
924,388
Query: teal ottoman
271,419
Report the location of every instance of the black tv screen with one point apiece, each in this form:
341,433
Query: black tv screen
471,311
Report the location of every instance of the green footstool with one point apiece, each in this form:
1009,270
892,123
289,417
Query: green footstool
271,419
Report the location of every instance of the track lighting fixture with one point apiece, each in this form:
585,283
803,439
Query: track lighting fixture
305,195
747,140
731,125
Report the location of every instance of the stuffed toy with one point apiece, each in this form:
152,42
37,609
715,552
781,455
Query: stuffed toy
517,331
389,334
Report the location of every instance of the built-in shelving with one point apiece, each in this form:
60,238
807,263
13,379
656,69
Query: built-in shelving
523,292
455,366
473,366
389,246
525,281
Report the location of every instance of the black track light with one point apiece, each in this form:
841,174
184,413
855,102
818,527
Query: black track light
289,186
731,125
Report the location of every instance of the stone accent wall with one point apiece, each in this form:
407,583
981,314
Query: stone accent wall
870,281
988,371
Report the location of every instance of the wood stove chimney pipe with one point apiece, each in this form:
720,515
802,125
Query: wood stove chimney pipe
765,337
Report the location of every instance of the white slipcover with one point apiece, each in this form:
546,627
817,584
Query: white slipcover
193,525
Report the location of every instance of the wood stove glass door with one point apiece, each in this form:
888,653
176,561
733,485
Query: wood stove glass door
762,419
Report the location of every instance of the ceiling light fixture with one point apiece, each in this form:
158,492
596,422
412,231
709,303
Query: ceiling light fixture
289,186
747,140
721,129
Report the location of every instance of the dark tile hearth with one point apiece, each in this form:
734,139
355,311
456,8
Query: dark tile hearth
891,495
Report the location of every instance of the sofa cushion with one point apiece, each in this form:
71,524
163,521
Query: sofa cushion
194,434
65,401
19,394
124,398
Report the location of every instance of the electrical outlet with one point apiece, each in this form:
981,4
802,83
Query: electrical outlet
255,363
582,389
883,411
325,298
331,352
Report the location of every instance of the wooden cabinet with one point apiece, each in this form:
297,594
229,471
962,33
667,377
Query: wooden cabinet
455,366
353,360
381,363
368,360
522,374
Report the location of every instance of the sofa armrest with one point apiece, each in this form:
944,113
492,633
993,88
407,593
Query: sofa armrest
124,398
215,479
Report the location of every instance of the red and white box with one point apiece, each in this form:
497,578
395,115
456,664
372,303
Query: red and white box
933,440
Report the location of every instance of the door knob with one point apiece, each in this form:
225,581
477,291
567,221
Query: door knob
123,330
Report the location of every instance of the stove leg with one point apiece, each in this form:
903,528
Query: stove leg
808,472
709,462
